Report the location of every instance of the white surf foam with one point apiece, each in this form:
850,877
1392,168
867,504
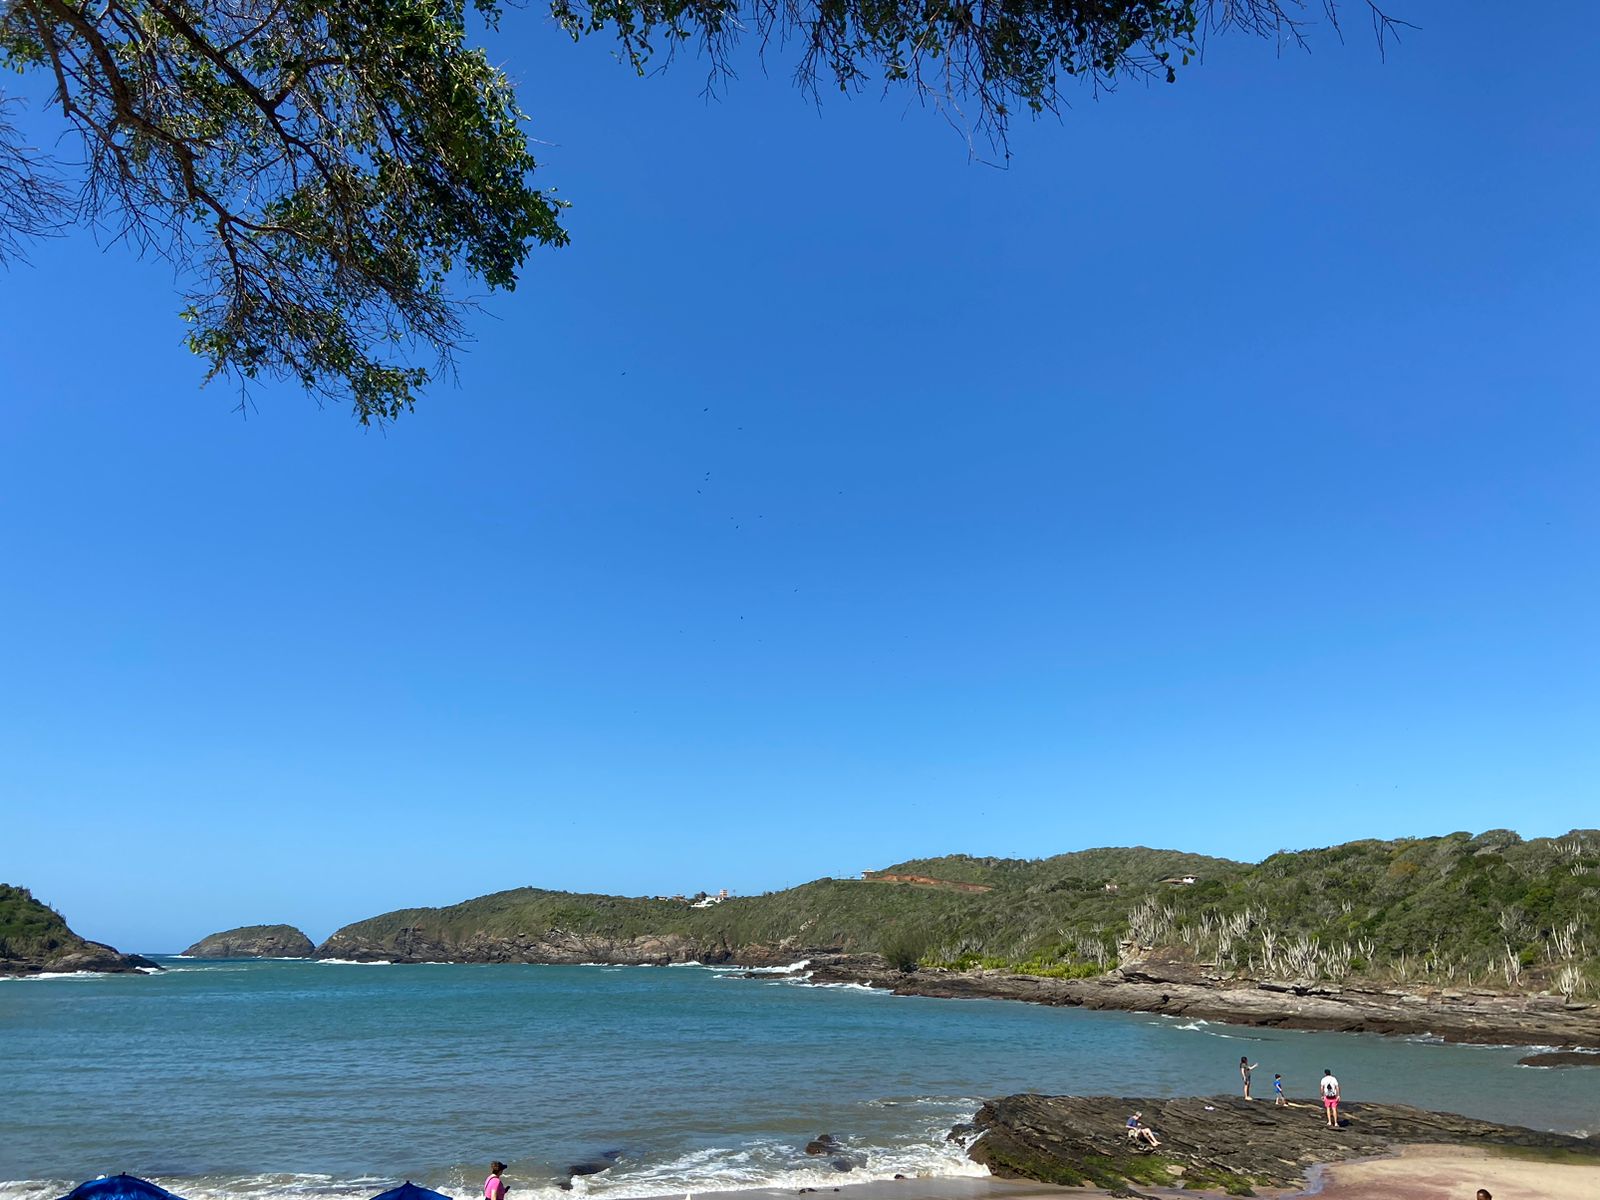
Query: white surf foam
792,969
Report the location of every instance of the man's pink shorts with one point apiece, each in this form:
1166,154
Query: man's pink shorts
1329,1101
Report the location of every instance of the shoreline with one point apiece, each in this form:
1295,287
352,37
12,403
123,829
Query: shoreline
1424,1171
1470,1017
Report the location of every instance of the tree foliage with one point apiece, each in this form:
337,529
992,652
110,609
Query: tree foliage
317,172
321,174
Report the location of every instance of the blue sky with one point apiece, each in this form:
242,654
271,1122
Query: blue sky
1221,475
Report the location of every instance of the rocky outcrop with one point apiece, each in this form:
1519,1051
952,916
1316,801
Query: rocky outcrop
1218,1142
35,940
1454,1016
83,956
254,941
840,1156
1561,1058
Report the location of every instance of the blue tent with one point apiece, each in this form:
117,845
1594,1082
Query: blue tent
119,1187
409,1191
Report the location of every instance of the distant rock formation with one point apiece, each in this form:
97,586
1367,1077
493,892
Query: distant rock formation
254,941
1221,1142
35,940
414,944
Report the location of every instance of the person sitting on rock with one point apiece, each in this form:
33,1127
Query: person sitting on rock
1141,1134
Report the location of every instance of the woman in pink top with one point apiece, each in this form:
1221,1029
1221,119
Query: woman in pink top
494,1188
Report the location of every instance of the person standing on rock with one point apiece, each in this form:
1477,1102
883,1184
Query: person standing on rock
1245,1067
1277,1092
494,1188
1330,1098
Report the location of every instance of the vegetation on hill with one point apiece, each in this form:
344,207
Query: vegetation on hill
31,930
1486,910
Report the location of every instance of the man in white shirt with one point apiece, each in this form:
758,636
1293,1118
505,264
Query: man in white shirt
1330,1098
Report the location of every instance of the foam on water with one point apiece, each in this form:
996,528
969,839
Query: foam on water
763,1162
791,969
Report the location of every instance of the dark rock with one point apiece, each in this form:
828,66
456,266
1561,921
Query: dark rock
1561,1058
842,1164
1226,1143
823,1143
254,941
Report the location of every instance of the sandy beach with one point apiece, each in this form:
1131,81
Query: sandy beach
1456,1173
1415,1173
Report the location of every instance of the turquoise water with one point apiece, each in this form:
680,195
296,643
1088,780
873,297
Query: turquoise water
305,1079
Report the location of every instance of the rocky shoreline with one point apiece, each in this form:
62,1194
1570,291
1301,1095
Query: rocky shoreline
1485,1018
1156,983
87,956
1218,1142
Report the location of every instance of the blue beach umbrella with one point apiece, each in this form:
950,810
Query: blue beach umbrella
119,1187
410,1191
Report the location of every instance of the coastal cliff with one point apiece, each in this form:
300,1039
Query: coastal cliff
1220,1142
254,941
35,940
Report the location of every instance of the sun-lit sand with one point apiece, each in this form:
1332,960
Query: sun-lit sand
1456,1173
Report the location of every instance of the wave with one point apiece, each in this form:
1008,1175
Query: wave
763,1162
774,1163
806,982
1200,1025
59,975
792,969
356,962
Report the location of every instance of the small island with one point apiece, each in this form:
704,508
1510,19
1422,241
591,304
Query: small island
253,941
35,940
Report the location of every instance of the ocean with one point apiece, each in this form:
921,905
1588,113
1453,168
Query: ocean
301,1080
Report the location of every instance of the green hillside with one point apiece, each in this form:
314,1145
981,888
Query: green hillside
1490,910
29,930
